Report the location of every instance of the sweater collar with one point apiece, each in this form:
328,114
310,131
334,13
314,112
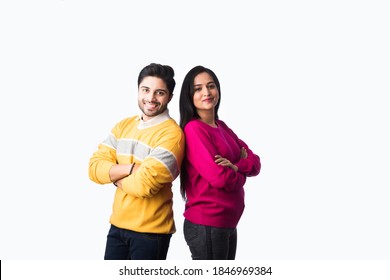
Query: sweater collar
164,116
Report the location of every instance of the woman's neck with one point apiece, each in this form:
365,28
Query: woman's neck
208,117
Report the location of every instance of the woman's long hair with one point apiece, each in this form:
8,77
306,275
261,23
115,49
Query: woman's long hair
188,110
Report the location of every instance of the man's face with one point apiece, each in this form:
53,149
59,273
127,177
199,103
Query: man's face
153,97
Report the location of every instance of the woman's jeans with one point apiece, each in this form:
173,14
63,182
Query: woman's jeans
210,243
123,244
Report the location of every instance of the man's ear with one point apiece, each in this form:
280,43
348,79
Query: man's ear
170,97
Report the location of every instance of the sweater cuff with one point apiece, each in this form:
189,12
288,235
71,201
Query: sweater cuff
243,165
104,173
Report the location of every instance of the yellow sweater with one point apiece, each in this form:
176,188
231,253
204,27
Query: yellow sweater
145,203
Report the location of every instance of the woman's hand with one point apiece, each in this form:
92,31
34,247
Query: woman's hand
225,162
243,153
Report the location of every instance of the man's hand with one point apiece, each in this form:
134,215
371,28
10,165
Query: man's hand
118,170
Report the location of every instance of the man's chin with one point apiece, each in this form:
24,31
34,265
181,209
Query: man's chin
153,113
150,115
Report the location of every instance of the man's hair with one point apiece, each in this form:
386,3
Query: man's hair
164,72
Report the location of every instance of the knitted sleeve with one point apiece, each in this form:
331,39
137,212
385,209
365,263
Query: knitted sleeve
103,159
160,168
249,166
201,152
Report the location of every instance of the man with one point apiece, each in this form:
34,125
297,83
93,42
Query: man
142,157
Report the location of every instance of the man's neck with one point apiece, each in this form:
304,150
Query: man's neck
155,120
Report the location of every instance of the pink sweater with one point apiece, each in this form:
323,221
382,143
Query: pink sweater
215,194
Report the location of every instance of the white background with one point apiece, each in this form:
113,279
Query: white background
304,83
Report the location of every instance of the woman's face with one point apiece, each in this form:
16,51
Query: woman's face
206,94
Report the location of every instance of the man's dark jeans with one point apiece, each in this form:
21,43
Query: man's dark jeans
123,244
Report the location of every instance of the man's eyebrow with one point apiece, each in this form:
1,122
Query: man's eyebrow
161,89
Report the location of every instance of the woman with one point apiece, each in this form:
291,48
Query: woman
214,170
